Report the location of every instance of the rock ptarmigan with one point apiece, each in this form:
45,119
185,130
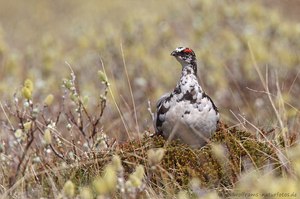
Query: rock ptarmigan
188,113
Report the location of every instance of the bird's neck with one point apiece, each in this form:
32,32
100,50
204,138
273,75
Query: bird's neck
189,80
189,69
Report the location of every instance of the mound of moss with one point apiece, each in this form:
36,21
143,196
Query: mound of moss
240,150
180,163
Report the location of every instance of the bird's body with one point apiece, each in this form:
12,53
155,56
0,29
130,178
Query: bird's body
187,113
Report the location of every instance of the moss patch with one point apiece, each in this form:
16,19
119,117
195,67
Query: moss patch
181,163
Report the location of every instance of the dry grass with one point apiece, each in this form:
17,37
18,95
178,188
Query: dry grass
68,132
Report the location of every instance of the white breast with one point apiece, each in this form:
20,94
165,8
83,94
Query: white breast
194,126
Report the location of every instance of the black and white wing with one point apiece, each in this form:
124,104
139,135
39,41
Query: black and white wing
162,107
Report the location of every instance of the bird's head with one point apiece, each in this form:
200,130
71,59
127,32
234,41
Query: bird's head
184,55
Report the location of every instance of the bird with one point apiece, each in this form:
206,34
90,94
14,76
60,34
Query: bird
187,113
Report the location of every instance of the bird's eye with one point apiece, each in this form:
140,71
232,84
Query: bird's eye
187,50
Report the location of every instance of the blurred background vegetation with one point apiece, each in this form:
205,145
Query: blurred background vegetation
248,57
37,38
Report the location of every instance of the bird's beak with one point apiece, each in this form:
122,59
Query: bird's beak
174,53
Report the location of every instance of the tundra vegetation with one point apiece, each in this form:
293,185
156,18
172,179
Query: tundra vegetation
80,79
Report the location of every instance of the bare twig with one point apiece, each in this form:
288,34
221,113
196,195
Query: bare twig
115,102
12,127
265,85
130,89
13,180
102,106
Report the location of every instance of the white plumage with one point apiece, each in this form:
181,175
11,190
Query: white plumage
187,113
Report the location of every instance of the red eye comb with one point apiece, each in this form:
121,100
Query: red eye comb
187,50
